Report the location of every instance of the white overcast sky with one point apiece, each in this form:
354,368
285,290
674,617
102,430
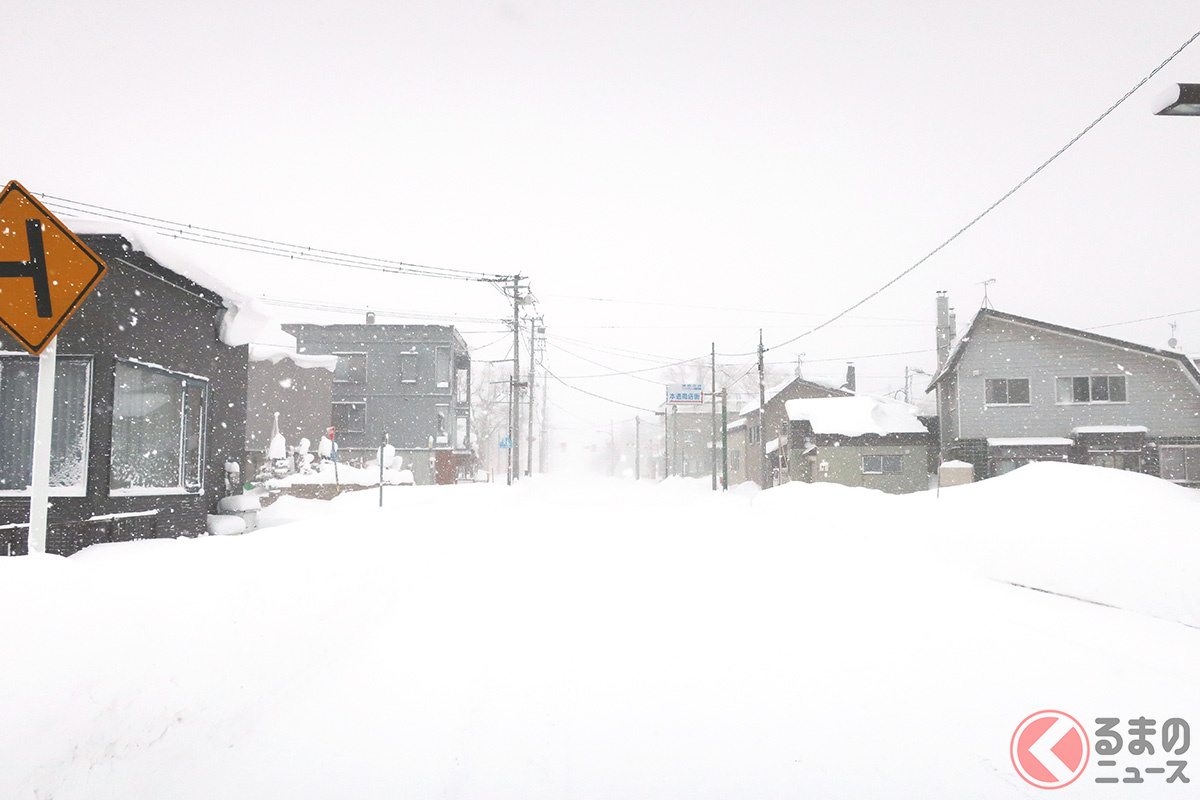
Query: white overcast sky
729,165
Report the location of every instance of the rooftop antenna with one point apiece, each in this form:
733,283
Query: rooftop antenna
1173,342
986,303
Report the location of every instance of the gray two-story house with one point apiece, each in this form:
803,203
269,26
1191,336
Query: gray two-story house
411,383
1014,390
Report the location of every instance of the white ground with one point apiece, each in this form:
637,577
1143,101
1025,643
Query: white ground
605,640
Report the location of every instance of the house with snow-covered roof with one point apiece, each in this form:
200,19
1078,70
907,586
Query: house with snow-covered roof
765,429
861,440
1013,390
149,407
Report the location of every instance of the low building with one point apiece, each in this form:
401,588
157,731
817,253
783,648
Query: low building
857,441
149,407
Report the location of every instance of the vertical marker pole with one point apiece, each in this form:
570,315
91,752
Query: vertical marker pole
712,398
43,427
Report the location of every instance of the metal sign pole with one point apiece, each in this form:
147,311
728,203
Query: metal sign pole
43,427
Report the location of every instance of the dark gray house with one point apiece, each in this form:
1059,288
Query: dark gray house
149,408
1014,390
410,382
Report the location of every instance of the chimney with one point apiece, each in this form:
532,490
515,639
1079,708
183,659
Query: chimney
945,330
850,377
370,317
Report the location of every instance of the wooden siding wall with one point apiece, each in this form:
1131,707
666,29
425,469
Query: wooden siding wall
141,311
1160,394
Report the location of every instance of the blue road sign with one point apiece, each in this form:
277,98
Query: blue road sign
506,443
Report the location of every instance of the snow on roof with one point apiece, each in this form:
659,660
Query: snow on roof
829,383
278,352
773,445
246,320
740,422
1110,429
958,464
1029,441
771,391
856,416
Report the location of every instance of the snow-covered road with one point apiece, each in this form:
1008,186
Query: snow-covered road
599,639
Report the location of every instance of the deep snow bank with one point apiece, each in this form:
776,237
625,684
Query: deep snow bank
598,639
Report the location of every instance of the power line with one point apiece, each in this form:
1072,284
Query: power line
593,394
347,309
1004,197
1143,319
630,374
716,308
264,246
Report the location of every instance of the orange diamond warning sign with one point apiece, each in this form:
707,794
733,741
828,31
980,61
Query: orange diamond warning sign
45,271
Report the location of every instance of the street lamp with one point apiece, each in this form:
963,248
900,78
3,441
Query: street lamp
1188,104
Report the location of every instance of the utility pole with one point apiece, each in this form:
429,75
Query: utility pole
724,439
535,326
666,442
514,416
712,398
637,448
675,440
542,444
762,416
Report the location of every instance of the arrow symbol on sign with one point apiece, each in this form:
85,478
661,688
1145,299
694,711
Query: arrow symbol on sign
34,268
1057,748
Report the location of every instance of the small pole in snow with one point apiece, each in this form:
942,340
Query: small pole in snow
333,456
382,447
637,448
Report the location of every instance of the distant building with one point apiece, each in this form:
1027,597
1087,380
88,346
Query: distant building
766,431
150,406
1014,390
857,441
411,383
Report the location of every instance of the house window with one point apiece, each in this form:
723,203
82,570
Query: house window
442,423
462,385
408,364
351,368
460,433
158,431
441,369
1094,389
881,465
1007,391
350,417
1180,463
69,437
755,434
735,460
